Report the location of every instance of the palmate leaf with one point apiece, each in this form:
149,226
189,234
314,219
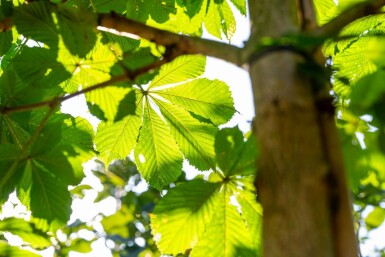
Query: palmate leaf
252,213
156,154
186,20
9,153
220,19
77,27
354,58
39,68
193,7
200,216
207,98
47,197
181,69
183,215
12,132
35,17
235,156
227,234
195,138
32,19
218,218
115,140
157,10
187,113
92,69
217,17
108,100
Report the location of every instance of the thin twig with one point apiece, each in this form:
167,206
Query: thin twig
127,76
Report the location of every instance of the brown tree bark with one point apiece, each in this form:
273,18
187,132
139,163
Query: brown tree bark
300,178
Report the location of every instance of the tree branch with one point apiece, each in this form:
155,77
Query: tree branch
186,44
332,28
170,55
6,24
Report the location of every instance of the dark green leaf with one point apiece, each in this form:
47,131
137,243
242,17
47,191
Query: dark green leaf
33,18
77,27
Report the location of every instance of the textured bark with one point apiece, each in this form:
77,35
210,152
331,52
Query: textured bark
300,177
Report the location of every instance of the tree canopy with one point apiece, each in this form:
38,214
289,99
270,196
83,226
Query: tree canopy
140,66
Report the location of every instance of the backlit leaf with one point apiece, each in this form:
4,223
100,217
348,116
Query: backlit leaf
183,215
195,138
227,234
13,251
116,140
27,231
208,98
156,153
181,69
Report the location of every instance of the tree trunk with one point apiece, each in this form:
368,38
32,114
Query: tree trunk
300,177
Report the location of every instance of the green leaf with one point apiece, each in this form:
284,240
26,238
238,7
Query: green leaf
368,90
227,20
108,100
117,224
33,18
157,10
325,10
181,217
127,105
220,19
208,98
195,138
78,132
234,155
252,215
8,179
352,58
12,132
356,162
94,68
78,245
116,140
120,44
193,7
228,146
156,153
6,39
39,70
26,231
47,197
227,234
240,5
13,251
375,218
77,27
116,6
213,20
181,69
6,9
